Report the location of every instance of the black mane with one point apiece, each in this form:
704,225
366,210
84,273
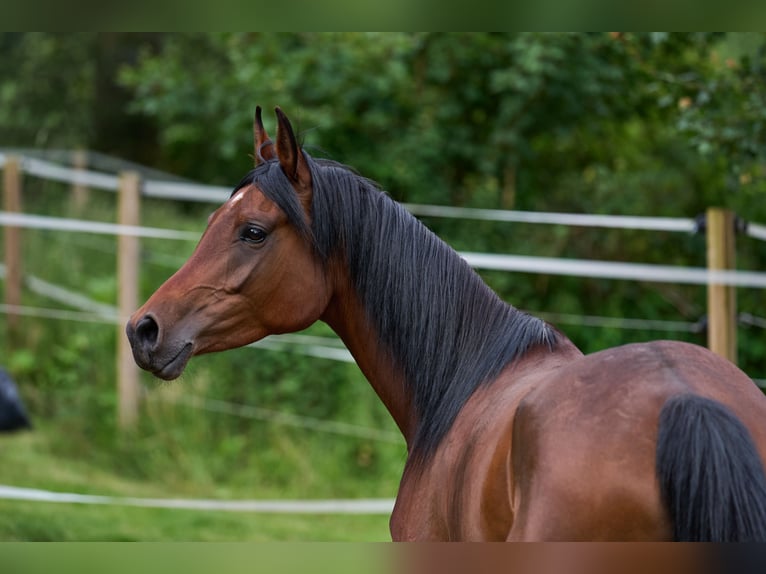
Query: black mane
446,329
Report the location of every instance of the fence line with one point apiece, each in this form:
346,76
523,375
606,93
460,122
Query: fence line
314,347
93,160
66,296
60,314
29,221
581,268
186,192
488,261
332,506
614,270
96,312
685,225
331,344
752,320
284,343
756,231
47,170
218,194
332,349
283,418
620,322
325,347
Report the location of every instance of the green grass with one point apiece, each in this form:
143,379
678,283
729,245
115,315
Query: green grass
26,460
36,521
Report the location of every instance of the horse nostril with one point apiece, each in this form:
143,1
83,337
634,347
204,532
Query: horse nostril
147,331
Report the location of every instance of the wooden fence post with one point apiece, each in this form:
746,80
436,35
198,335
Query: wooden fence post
127,287
721,299
12,204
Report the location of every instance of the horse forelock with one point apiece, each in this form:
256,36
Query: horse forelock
270,180
447,330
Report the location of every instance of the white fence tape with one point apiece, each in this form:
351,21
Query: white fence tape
61,314
321,347
48,170
29,221
283,418
285,343
519,263
333,506
618,322
93,311
757,231
615,270
219,194
186,192
576,219
66,296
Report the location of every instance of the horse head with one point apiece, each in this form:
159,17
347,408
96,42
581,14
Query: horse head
254,272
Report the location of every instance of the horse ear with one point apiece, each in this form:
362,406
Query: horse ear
290,155
264,147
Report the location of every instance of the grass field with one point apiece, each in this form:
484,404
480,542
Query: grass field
26,460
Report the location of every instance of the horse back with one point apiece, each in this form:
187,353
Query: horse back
585,440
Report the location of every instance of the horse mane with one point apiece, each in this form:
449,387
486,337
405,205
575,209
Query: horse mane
446,329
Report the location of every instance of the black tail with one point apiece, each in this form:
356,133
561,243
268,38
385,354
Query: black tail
711,476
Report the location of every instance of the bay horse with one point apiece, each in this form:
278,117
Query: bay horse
512,433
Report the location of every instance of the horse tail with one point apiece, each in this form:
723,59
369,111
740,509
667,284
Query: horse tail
711,477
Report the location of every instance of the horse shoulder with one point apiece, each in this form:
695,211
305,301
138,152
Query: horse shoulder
465,491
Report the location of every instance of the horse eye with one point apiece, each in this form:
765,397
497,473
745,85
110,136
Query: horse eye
252,234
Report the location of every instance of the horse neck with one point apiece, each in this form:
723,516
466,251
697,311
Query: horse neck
424,328
426,355
346,315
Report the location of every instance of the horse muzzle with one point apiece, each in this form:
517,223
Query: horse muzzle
163,358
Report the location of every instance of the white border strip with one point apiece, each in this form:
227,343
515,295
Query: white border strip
333,506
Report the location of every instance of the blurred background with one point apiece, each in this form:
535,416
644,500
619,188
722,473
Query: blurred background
654,124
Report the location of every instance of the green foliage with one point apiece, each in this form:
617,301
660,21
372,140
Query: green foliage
724,117
46,89
488,119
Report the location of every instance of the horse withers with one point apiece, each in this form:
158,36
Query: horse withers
512,433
